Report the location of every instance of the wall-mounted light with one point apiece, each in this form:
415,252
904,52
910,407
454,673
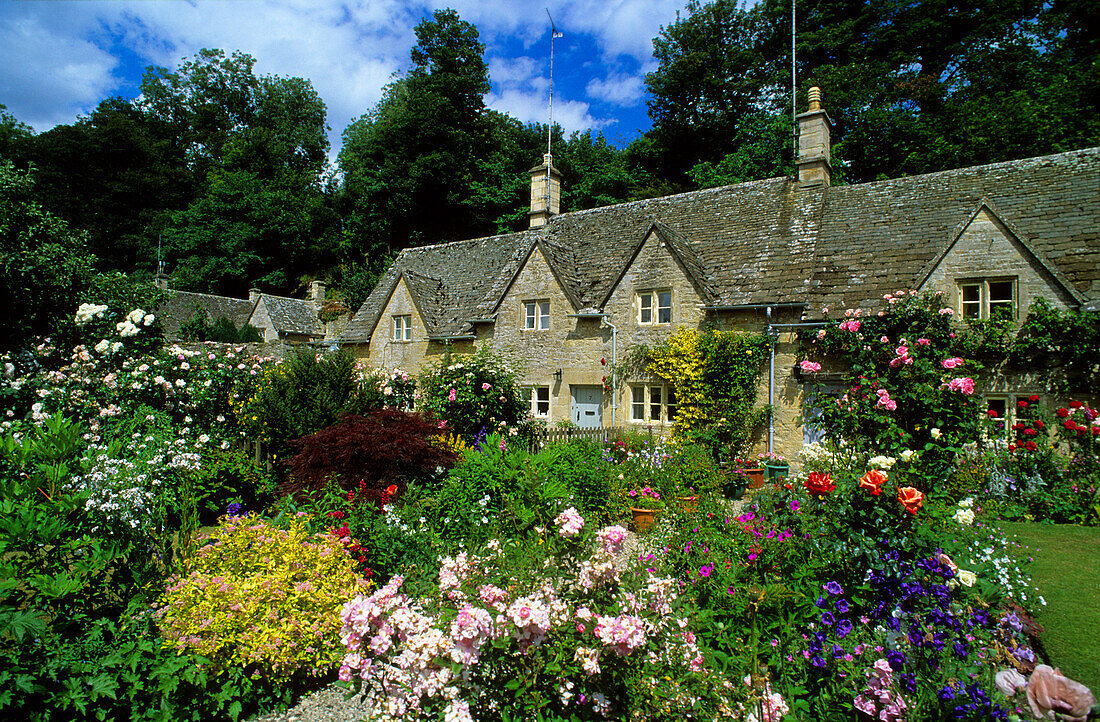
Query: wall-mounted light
557,376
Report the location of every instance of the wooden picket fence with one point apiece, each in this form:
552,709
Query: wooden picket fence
549,437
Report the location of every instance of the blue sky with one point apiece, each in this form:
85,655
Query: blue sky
61,57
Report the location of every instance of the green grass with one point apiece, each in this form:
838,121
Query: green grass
1066,573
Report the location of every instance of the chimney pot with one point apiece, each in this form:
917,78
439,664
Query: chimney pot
545,192
253,295
814,160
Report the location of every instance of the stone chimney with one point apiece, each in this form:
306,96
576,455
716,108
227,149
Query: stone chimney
317,293
814,143
161,280
254,295
545,192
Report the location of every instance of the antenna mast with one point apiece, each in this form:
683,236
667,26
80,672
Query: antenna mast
550,122
794,88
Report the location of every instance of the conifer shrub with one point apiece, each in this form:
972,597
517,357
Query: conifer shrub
263,599
367,454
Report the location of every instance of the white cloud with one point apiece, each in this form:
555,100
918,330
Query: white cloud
49,78
531,108
624,90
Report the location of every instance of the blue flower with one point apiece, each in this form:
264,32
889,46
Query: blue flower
961,649
817,661
843,628
841,605
234,509
820,603
834,588
827,618
947,692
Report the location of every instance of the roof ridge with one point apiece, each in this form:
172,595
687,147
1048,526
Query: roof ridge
984,166
208,295
673,197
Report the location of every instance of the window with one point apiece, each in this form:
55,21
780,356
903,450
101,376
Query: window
988,299
1012,416
653,403
402,328
540,402
655,307
536,315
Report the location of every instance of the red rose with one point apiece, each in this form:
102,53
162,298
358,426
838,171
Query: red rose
1012,447
1075,404
992,414
1069,424
1062,413
872,481
1040,425
1030,432
819,483
1021,404
1031,446
1033,399
910,498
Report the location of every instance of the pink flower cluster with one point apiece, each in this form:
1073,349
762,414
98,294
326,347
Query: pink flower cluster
878,699
963,385
885,401
622,634
901,357
852,325
950,363
612,538
570,522
772,706
810,367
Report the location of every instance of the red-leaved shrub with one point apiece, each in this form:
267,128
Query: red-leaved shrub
382,448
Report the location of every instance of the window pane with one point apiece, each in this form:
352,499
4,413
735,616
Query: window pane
971,300
670,413
646,314
542,401
530,315
655,403
544,315
637,403
999,407
664,307
1000,291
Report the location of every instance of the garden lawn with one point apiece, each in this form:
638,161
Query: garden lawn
1066,573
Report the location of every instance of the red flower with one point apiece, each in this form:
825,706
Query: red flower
910,498
1075,404
1021,404
603,361
1040,425
1069,424
391,489
1012,447
1030,432
1031,446
819,483
1033,399
992,414
872,481
1062,413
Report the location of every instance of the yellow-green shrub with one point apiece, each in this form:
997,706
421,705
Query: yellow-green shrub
263,598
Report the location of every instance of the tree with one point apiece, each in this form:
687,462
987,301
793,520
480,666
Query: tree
44,265
12,133
409,164
912,87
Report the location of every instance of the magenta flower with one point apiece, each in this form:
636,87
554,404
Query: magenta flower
810,367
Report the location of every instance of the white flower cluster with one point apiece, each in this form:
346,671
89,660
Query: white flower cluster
129,326
881,462
87,311
964,515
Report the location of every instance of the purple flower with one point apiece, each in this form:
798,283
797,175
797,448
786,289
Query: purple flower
896,659
843,628
833,588
817,661
947,692
827,618
794,505
234,509
961,649
842,606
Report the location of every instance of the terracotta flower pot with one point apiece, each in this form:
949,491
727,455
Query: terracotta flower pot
644,519
756,477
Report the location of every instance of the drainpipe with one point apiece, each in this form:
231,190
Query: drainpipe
772,336
614,360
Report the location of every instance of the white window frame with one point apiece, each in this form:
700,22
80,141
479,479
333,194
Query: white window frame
536,315
539,398
402,328
655,307
985,302
1010,416
649,397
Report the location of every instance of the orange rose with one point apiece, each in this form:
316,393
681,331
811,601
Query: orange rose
872,481
910,498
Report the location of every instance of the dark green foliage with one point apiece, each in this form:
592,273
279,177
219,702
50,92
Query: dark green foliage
300,396
1065,338
474,394
366,453
197,328
44,266
13,132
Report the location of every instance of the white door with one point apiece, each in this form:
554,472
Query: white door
586,406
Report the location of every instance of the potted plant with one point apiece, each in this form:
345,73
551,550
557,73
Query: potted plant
775,465
754,473
645,504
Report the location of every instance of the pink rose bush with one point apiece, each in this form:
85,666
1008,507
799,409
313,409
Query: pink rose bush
454,649
880,700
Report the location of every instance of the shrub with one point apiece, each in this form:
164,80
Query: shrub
262,598
473,393
375,449
299,396
222,330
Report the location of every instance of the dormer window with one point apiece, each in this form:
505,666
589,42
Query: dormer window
536,316
655,307
402,328
988,298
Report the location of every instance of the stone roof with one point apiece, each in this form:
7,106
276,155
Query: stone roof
182,306
292,315
770,241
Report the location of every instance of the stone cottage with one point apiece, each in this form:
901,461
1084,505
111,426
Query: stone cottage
575,288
